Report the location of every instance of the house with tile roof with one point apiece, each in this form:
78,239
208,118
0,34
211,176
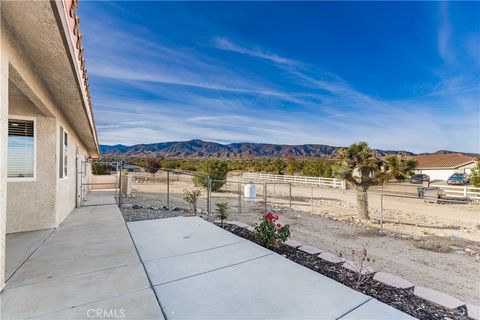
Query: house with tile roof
442,166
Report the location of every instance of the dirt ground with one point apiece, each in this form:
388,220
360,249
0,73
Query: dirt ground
432,245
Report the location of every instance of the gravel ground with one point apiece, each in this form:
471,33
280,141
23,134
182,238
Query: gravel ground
137,209
401,299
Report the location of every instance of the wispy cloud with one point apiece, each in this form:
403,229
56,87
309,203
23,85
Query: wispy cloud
147,90
228,45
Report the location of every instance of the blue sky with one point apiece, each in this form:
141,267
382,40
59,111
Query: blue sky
399,75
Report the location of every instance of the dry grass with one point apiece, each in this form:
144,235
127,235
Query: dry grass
436,245
371,232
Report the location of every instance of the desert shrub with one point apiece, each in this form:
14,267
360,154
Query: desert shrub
100,169
221,209
189,165
475,178
317,168
359,261
293,166
269,233
151,164
191,197
214,169
170,164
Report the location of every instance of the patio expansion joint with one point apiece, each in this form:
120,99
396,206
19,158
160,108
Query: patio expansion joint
353,309
69,276
216,269
31,253
193,252
90,302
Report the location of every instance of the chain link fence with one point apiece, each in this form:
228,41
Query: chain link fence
395,207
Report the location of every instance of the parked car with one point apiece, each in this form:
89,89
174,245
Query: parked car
459,178
419,178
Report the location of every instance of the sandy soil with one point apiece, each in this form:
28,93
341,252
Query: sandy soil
329,223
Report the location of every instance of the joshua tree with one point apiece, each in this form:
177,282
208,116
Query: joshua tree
363,167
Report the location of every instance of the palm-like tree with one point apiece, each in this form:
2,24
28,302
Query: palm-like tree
363,167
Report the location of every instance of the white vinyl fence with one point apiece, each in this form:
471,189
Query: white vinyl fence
459,191
323,182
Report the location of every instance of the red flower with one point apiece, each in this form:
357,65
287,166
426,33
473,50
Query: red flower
279,225
276,217
269,217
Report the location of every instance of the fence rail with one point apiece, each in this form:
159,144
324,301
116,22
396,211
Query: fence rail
459,191
318,181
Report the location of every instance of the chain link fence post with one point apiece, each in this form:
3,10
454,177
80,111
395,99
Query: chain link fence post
209,196
168,189
381,211
290,194
120,192
311,199
265,195
239,198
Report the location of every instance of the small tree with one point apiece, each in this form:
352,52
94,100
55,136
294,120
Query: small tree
293,166
475,178
152,164
214,169
100,169
362,167
222,211
191,197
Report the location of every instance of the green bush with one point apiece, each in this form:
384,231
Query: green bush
100,169
191,197
215,169
269,233
222,211
317,168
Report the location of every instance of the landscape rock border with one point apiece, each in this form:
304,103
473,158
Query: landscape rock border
420,302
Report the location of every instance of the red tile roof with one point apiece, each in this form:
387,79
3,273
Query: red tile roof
444,161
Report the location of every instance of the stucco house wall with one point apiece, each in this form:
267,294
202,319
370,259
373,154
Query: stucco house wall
445,173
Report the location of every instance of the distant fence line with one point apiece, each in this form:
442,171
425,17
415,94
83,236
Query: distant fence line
318,181
459,191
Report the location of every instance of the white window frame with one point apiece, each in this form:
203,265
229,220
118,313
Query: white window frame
26,179
61,135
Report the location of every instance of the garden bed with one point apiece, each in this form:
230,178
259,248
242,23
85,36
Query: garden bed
401,299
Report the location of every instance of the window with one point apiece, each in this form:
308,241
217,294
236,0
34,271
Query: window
63,160
21,148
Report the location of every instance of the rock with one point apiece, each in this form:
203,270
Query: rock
310,249
392,280
293,243
154,208
472,252
164,208
438,298
136,206
127,205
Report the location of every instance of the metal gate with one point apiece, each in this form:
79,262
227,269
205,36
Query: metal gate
99,182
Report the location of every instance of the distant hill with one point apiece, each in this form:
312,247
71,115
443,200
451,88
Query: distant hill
200,149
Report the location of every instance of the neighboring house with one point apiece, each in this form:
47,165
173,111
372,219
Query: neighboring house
442,166
46,122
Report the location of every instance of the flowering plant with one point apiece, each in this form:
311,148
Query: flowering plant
269,233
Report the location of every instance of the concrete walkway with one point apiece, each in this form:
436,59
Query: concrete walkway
200,271
87,268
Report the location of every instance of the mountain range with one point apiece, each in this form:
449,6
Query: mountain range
200,149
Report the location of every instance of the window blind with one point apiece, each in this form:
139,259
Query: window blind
21,149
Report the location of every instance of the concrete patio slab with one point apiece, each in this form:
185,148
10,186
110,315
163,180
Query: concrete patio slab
374,309
20,246
59,294
91,238
271,287
141,305
183,266
200,271
89,260
170,237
